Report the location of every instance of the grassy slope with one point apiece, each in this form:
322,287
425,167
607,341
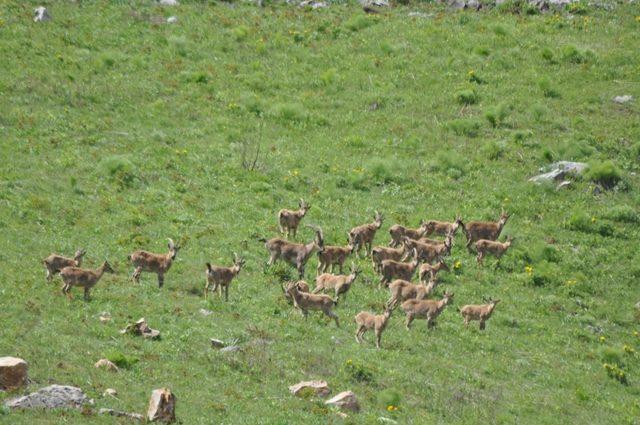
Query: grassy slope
117,134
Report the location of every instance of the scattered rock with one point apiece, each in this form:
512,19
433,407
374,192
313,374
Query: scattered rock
216,343
162,406
172,19
387,420
51,397
320,388
638,305
168,2
465,4
111,392
563,184
106,364
374,3
595,329
346,400
623,99
206,312
117,413
13,373
141,328
230,349
419,15
313,4
105,317
41,14
559,170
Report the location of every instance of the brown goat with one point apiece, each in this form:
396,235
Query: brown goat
431,270
289,220
295,254
381,253
443,228
390,270
221,277
54,263
363,235
428,252
398,231
318,302
75,276
367,321
402,290
144,261
476,230
339,283
333,256
425,309
495,248
481,313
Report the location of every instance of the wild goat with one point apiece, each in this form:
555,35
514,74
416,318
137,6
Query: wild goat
363,235
145,261
431,270
425,309
301,285
482,313
333,256
402,290
495,248
75,276
318,302
289,220
443,228
398,232
339,283
381,253
54,263
295,254
367,321
390,270
221,277
427,252
476,230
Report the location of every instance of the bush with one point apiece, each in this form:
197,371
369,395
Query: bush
467,97
548,90
358,372
121,360
240,33
580,221
604,173
498,114
493,150
574,55
547,55
289,112
469,128
450,163
383,171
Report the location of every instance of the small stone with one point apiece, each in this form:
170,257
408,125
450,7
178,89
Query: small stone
638,305
206,312
117,413
162,406
320,388
41,14
51,397
106,364
230,349
623,99
111,392
346,400
168,2
563,184
141,328
172,19
216,343
13,372
105,317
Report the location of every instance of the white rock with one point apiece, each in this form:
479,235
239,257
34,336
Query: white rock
559,170
623,99
172,19
162,406
320,388
41,14
168,2
13,372
117,413
106,364
216,343
111,392
346,400
313,4
205,312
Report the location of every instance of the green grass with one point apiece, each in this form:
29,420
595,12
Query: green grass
116,133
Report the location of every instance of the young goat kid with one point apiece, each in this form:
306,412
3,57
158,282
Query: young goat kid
495,248
221,277
315,302
363,235
425,309
333,256
295,254
476,230
481,313
390,270
398,232
145,261
381,253
442,228
367,321
75,276
402,290
289,220
54,263
339,283
431,270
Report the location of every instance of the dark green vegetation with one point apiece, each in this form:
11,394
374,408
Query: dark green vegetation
116,134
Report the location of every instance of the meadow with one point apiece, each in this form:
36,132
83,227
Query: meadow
118,132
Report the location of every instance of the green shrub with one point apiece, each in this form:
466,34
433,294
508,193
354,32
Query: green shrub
450,163
547,55
548,90
545,274
539,112
329,76
240,33
121,360
289,112
574,55
604,173
465,127
493,150
498,114
358,372
383,171
623,214
467,97
389,397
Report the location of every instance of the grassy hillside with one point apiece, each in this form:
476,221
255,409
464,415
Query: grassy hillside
117,133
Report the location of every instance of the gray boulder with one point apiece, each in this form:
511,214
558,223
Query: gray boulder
51,397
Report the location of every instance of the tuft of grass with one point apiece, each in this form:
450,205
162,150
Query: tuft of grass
548,90
497,115
467,97
605,173
465,127
118,169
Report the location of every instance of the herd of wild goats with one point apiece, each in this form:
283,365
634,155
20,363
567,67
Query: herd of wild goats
389,262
